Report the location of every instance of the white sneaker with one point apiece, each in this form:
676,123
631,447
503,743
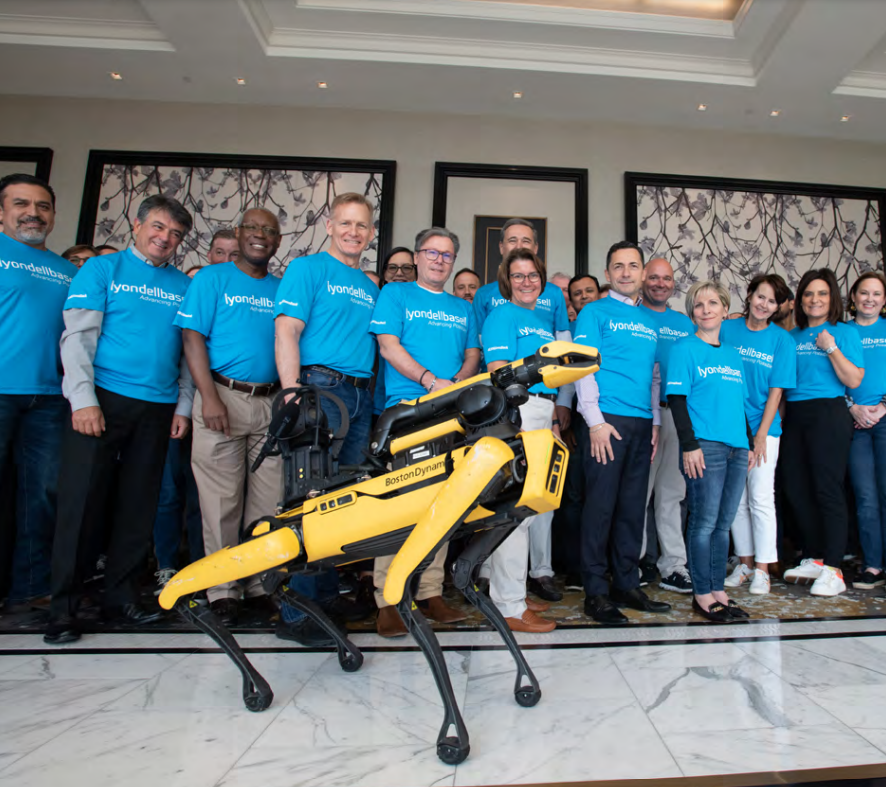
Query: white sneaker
804,574
739,576
163,576
760,583
829,583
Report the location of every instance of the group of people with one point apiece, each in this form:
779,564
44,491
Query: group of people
110,366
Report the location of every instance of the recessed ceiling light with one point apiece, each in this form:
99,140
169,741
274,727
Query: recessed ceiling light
518,94
702,107
116,76
240,81
845,118
323,85
774,113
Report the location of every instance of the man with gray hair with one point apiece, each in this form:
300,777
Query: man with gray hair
429,341
129,390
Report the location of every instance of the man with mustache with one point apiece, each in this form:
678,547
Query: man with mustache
34,283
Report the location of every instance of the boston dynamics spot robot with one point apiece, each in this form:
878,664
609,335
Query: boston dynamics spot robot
451,463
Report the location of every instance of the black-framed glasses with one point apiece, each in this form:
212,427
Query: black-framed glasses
533,277
271,232
408,268
433,255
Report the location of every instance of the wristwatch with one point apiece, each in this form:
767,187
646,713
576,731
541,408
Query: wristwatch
830,350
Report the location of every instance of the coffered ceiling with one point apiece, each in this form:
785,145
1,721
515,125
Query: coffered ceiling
813,62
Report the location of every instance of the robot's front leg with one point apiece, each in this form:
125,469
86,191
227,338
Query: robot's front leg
464,576
257,694
451,749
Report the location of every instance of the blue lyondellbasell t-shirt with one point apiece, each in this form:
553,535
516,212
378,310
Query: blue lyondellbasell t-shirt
235,312
33,288
712,380
512,332
627,338
549,307
816,378
672,326
873,345
139,350
770,361
435,328
335,302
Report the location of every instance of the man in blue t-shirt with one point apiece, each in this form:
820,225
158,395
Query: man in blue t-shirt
129,391
34,283
429,341
620,406
227,322
665,479
323,310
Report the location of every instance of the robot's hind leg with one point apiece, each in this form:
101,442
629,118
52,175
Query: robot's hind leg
464,575
257,694
350,658
451,749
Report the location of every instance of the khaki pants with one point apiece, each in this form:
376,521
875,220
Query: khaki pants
430,583
229,493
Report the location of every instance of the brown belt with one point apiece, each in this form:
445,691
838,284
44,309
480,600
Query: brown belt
253,389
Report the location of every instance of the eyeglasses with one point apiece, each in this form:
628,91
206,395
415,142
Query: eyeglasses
77,260
433,255
401,268
533,277
271,232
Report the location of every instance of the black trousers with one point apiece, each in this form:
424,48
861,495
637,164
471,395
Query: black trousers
615,507
566,531
119,472
814,452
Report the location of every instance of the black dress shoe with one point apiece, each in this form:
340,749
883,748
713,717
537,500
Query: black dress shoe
716,612
227,610
304,632
544,587
131,614
61,630
736,611
637,599
343,609
601,609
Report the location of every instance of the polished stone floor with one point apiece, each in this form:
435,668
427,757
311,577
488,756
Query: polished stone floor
636,702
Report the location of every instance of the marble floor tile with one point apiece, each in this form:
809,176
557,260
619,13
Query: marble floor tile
391,701
786,748
8,663
713,654
564,675
567,741
191,748
859,707
743,696
33,712
111,666
366,766
211,680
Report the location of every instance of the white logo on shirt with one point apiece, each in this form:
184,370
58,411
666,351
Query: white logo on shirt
636,328
756,355
529,331
37,270
354,292
262,304
665,331
436,316
728,372
149,293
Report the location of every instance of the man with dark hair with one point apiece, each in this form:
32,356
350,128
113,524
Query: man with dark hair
223,247
34,283
106,248
465,285
77,255
129,391
583,289
620,407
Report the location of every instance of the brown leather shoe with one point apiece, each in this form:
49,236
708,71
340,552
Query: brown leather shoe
531,623
437,609
389,623
537,606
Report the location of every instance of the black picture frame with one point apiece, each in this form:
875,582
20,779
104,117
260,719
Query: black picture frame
99,159
40,157
487,234
444,170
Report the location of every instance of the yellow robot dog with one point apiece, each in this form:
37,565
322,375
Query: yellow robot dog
450,463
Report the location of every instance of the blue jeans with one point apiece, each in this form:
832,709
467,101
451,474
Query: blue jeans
867,471
31,427
178,498
713,501
324,587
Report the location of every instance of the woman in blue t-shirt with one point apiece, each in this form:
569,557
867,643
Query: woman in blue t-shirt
818,430
513,331
706,393
867,455
770,365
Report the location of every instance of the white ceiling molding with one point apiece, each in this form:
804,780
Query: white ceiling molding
865,84
91,33
547,15
258,19
477,53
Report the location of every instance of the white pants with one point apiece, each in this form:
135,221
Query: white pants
666,480
754,529
507,581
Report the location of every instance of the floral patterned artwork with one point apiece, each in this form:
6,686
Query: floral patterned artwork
217,197
732,236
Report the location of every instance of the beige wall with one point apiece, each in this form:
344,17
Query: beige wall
72,127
